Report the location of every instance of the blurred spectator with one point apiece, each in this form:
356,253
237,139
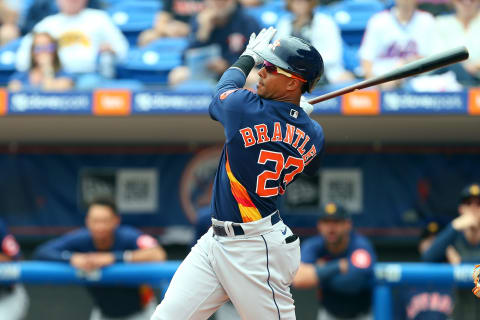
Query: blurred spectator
104,242
220,33
463,234
45,71
9,18
321,31
40,9
13,298
85,37
340,263
462,28
172,21
395,37
417,303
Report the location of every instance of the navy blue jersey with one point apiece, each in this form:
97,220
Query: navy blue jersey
343,295
112,301
470,253
423,303
268,143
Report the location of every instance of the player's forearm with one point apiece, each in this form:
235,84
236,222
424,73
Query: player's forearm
354,281
236,75
437,251
327,270
145,255
52,255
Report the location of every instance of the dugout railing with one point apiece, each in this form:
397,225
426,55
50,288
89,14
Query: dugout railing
387,277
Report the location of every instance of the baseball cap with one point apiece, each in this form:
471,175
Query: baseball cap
470,191
334,211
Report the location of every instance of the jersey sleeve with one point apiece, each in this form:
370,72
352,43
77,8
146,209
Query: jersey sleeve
361,261
231,101
134,239
314,164
310,249
437,251
9,246
62,248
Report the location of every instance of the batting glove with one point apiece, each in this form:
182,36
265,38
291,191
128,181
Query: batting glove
258,43
476,276
307,107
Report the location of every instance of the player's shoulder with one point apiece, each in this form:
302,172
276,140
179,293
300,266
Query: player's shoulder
360,241
238,98
78,235
124,230
313,243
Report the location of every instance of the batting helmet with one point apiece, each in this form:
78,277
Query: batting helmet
296,56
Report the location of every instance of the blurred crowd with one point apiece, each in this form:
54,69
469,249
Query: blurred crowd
77,44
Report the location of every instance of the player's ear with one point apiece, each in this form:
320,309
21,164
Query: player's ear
293,85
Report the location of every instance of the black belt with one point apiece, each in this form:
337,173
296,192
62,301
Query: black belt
238,230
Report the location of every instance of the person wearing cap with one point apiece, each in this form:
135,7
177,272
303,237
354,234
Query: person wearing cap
415,302
338,261
463,234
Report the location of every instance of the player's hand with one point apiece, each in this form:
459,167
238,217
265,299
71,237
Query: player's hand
258,43
101,259
465,221
307,107
82,261
476,280
343,263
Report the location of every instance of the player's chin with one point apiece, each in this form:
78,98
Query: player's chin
260,90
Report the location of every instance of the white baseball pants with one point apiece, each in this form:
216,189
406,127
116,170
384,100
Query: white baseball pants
254,271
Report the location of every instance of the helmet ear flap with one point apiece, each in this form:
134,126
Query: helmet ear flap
312,84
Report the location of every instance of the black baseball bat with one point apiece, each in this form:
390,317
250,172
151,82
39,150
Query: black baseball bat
413,68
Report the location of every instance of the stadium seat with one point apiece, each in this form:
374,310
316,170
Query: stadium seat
132,17
7,60
352,17
151,64
268,14
351,60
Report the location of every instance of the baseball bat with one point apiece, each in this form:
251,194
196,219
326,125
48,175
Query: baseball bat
413,68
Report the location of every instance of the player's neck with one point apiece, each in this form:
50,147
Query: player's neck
338,248
103,244
289,99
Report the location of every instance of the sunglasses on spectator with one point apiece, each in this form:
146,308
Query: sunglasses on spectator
270,68
44,48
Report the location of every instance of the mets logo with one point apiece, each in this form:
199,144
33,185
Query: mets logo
197,181
274,45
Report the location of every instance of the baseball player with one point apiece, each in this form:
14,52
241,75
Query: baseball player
102,243
249,256
463,234
340,263
13,298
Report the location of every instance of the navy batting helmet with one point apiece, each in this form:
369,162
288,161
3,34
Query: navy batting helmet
296,56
